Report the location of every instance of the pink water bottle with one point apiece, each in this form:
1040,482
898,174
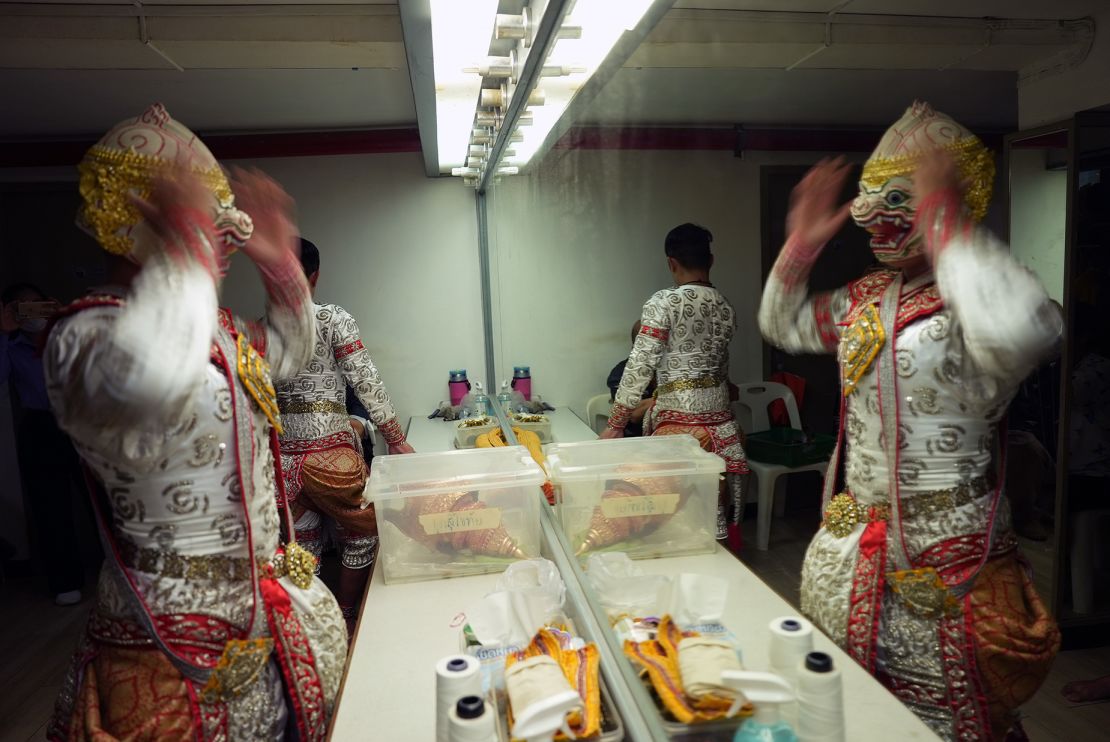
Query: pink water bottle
458,386
522,381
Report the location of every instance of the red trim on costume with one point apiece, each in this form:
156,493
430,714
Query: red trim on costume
392,432
345,350
658,333
912,306
795,261
865,598
966,697
826,327
314,445
298,665
619,416
693,418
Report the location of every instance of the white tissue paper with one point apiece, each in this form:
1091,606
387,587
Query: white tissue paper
529,595
624,590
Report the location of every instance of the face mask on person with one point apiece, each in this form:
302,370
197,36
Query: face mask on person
33,325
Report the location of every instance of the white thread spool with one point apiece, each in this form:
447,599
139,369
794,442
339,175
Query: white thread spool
820,700
456,676
791,640
471,721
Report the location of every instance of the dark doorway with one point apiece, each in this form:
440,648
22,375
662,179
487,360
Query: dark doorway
846,258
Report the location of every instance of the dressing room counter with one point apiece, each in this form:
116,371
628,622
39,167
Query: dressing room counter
389,689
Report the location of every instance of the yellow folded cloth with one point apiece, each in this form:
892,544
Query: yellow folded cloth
660,660
580,667
528,439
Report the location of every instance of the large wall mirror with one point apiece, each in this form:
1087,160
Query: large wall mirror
712,120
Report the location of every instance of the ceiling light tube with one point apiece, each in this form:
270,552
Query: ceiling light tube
602,24
461,32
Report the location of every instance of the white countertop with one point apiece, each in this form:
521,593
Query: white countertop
390,685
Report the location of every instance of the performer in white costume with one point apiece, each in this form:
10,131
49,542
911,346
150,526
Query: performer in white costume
321,455
683,345
204,627
915,571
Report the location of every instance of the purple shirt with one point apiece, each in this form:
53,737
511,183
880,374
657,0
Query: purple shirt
21,365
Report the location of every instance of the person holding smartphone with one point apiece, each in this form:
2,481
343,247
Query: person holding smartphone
47,461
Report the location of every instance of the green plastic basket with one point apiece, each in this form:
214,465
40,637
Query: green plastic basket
789,447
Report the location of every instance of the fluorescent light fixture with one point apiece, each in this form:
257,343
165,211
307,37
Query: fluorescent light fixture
461,32
603,22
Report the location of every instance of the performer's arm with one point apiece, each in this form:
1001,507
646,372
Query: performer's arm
274,248
123,377
1007,322
642,361
290,328
789,317
362,376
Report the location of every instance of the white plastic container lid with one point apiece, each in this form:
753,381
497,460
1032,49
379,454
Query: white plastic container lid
668,455
416,474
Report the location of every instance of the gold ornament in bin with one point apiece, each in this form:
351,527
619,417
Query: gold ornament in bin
494,541
606,531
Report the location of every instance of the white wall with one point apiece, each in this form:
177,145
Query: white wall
400,252
1057,97
1038,211
577,247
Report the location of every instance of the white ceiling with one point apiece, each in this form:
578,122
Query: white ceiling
281,65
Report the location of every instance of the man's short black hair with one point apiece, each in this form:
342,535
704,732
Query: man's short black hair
689,245
310,257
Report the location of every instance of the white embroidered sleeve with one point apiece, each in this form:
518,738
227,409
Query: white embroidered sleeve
655,326
360,372
792,319
120,378
1007,324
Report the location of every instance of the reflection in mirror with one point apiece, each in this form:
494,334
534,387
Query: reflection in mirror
712,122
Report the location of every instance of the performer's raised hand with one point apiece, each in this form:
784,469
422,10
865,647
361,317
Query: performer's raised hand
814,216
176,195
271,210
937,171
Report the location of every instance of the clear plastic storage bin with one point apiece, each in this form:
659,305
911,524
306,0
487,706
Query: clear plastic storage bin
648,497
456,513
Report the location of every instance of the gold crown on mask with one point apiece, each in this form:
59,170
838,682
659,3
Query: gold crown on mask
108,180
974,161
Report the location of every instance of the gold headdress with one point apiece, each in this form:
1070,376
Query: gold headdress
922,129
126,161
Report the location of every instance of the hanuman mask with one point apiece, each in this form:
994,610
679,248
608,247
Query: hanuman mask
126,161
887,202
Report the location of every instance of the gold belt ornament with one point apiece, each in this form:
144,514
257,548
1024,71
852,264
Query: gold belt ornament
844,513
317,407
297,563
686,385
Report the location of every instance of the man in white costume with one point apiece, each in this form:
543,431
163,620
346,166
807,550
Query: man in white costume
915,571
321,454
204,627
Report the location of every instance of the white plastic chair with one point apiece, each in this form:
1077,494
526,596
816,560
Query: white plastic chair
751,414
597,412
